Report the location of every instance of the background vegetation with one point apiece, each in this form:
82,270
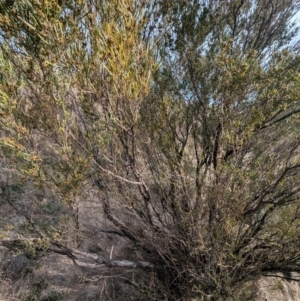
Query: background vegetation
182,117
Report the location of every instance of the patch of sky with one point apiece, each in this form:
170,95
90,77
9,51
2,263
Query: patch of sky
296,20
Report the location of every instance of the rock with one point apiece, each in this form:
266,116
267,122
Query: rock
89,295
18,221
61,279
281,286
53,296
19,264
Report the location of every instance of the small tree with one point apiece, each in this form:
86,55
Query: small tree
186,116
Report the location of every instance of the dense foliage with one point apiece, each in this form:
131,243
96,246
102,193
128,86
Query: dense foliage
182,115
